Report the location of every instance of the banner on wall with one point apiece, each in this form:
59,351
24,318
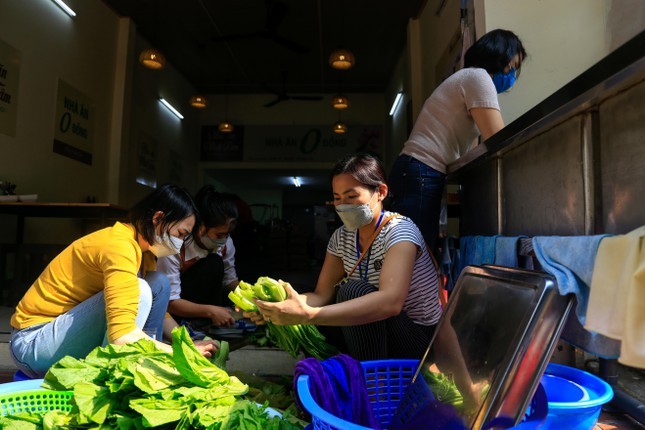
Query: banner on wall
9,74
218,146
73,124
298,143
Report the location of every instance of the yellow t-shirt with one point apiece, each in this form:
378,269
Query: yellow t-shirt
107,260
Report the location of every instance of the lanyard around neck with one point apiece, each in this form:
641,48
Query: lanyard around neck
368,250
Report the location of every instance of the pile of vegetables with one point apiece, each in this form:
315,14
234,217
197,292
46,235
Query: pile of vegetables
444,389
291,338
137,386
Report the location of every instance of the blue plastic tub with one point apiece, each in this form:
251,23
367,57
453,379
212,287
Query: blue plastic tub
575,397
387,382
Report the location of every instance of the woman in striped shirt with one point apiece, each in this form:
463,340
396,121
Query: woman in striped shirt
389,305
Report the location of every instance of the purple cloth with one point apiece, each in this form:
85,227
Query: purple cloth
338,386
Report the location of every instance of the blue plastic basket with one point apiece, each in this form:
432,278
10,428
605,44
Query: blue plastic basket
387,382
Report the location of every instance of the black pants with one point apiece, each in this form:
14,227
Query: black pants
395,337
202,282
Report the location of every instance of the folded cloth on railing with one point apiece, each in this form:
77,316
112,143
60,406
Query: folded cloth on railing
338,386
476,250
617,297
570,259
449,262
506,250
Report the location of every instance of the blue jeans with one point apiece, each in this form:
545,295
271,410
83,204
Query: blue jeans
416,191
77,332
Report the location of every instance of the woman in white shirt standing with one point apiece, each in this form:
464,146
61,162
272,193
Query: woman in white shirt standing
203,273
461,109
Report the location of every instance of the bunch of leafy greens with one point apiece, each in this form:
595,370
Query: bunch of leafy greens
137,386
291,338
444,389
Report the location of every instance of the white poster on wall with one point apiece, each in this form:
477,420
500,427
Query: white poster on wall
73,127
9,74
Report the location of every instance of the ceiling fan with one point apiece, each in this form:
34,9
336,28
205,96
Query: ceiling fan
282,95
276,12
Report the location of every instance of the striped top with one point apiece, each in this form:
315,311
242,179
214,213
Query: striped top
422,304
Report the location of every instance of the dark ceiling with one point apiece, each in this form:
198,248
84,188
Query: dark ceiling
264,46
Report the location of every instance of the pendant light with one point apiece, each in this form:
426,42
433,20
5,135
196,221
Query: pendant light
199,101
226,126
339,126
341,59
340,101
152,58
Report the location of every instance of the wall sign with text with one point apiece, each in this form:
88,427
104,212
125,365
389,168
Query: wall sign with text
9,74
280,143
73,127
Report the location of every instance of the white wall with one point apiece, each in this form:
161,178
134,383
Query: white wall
80,51
562,38
96,53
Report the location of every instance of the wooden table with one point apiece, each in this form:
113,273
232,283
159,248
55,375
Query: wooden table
30,259
103,212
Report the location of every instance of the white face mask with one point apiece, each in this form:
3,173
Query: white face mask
213,244
355,216
166,245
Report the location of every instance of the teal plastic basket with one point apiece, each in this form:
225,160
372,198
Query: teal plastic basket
387,382
29,396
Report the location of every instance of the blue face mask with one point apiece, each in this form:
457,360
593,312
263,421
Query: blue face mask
504,81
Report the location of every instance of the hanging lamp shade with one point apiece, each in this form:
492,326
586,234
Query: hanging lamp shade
341,59
198,102
339,127
340,101
152,59
226,126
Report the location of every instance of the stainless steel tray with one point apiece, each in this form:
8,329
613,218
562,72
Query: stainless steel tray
495,339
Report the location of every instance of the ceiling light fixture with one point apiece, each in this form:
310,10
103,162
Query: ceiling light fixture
341,59
296,181
68,10
198,102
226,126
340,101
340,127
152,58
397,102
171,108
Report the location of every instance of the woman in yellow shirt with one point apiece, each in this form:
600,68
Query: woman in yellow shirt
92,288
